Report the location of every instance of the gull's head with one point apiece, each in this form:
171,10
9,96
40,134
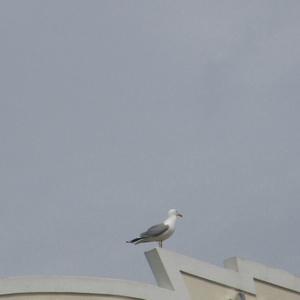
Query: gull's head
174,212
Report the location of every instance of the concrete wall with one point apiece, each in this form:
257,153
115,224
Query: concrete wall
178,278
59,296
200,288
272,292
193,279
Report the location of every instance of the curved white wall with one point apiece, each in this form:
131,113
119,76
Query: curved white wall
178,278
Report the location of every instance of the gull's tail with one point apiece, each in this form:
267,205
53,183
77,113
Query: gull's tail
135,241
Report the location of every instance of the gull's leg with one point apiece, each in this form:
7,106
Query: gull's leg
160,244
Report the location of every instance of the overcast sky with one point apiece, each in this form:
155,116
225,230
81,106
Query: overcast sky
113,112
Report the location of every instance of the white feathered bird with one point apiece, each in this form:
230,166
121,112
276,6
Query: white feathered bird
160,232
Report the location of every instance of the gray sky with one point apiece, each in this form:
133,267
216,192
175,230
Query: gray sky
112,112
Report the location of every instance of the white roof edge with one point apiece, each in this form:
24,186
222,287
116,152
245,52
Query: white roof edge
167,267
174,264
84,285
238,273
264,273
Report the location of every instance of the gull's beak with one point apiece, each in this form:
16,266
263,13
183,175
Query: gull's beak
179,215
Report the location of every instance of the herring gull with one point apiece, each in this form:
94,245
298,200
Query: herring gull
160,232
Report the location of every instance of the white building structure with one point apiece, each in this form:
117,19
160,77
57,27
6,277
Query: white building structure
178,278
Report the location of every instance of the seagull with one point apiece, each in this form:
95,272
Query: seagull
160,232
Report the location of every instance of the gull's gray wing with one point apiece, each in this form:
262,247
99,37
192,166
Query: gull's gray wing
155,230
